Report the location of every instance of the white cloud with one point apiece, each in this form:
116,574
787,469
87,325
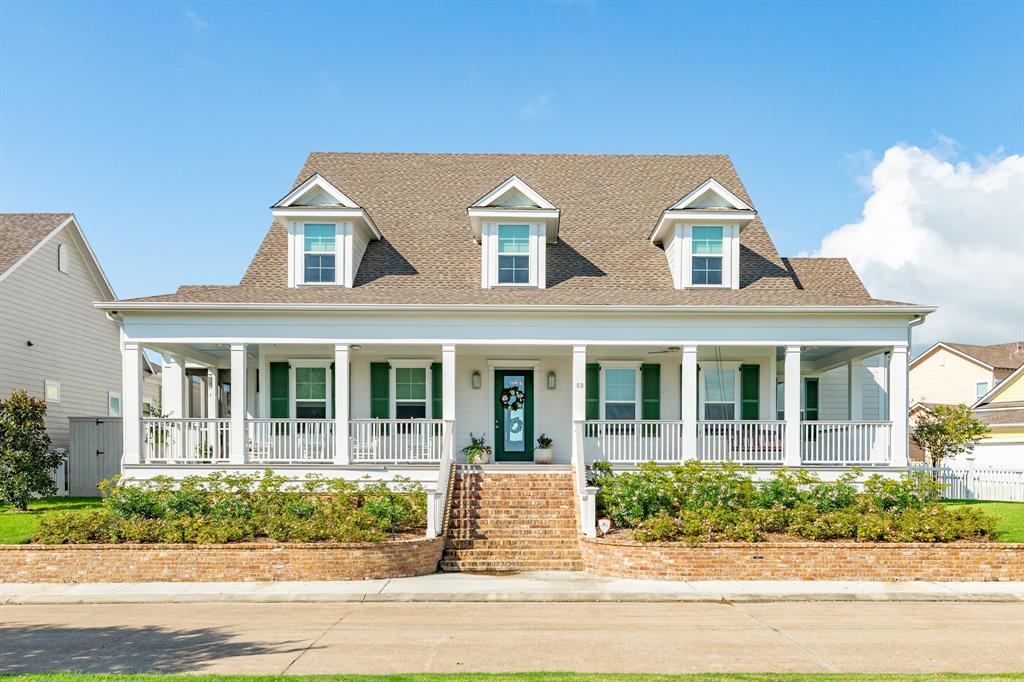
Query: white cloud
947,234
536,107
195,21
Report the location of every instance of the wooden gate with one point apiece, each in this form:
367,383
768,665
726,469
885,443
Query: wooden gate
95,453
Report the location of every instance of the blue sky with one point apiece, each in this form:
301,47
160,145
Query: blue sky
170,128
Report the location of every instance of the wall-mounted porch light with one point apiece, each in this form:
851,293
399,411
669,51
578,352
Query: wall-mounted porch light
552,381
476,379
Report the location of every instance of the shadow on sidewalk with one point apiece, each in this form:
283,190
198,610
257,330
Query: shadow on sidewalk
31,648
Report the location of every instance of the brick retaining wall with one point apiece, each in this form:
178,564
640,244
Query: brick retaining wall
803,560
247,562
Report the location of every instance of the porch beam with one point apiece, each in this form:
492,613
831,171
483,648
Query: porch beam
131,403
197,356
688,402
791,386
897,399
342,400
238,358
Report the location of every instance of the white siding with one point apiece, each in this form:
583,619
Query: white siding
73,343
360,238
833,391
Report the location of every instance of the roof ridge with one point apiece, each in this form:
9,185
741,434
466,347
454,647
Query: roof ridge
534,154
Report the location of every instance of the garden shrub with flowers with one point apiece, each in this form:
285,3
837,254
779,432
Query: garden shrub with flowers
221,508
696,502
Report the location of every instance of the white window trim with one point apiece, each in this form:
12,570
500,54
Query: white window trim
292,403
730,255
120,404
393,389
489,254
637,389
63,259
983,385
343,274
47,383
702,392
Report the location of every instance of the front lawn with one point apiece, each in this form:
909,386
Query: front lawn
16,527
1010,527
527,677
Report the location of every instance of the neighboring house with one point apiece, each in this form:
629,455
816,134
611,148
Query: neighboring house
1002,409
953,373
630,307
54,343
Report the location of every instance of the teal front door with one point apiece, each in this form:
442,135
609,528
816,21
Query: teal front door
513,415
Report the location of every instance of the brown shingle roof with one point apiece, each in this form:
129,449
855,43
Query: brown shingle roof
1002,356
20,232
1001,414
609,205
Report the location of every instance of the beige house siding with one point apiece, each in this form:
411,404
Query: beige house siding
947,378
72,342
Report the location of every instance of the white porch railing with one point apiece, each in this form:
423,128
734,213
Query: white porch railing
289,440
396,440
746,442
633,441
437,501
186,441
845,442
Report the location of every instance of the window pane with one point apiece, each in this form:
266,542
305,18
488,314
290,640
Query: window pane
513,238
706,240
310,383
719,385
620,411
620,384
411,411
410,383
981,388
319,238
319,268
513,269
114,407
311,410
719,411
707,270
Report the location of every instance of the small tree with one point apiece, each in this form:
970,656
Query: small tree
26,463
946,431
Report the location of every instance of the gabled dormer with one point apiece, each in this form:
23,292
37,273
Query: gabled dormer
327,234
701,237
513,224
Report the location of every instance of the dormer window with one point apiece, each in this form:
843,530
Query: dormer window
513,224
701,237
327,234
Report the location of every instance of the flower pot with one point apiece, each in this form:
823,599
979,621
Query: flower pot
479,457
543,456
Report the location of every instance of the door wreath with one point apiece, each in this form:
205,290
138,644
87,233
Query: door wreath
512,398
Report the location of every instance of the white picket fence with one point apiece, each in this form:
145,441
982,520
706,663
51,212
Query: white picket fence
966,483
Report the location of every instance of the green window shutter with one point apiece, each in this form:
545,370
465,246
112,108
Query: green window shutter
811,399
380,388
650,390
436,382
593,388
279,408
750,388
334,403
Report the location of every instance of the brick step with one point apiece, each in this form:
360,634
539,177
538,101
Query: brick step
546,492
473,566
487,542
497,509
517,505
511,553
513,534
566,527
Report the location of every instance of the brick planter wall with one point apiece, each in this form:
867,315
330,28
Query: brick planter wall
232,562
803,560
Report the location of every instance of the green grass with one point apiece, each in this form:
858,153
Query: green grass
16,527
520,677
1010,527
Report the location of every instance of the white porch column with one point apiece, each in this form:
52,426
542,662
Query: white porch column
898,397
791,384
855,390
173,388
579,396
211,393
688,401
342,442
131,402
237,454
448,383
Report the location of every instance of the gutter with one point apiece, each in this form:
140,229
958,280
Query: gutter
114,307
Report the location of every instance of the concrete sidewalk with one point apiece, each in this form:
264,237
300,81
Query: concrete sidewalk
520,587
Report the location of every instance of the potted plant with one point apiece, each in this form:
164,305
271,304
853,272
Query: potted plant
478,451
542,453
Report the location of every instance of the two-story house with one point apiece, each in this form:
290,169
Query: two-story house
629,307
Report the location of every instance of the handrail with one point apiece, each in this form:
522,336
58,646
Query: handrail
438,501
586,496
185,441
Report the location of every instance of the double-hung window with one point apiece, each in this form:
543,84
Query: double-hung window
513,254
706,255
719,393
980,389
620,393
410,393
319,253
311,392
